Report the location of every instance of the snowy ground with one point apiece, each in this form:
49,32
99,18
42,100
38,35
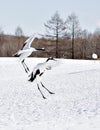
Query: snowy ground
74,106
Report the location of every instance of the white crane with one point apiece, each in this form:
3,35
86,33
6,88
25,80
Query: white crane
39,70
26,51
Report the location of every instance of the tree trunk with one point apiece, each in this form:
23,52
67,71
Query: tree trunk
57,45
73,42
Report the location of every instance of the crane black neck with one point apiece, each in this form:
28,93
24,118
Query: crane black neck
40,49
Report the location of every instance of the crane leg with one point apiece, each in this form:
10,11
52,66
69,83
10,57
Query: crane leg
40,91
46,88
25,66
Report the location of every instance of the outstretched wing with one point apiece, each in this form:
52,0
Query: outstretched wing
28,42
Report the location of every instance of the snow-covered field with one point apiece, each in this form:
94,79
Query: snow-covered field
74,106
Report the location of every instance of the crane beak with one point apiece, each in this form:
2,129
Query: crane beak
43,49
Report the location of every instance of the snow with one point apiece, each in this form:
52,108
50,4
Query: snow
74,106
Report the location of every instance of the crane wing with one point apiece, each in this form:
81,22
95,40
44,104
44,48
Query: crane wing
28,42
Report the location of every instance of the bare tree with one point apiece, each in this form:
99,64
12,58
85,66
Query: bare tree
19,31
55,28
1,31
96,41
84,43
73,29
2,48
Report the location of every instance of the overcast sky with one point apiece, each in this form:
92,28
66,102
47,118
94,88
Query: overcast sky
31,15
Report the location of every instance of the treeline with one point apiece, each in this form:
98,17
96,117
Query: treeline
63,39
